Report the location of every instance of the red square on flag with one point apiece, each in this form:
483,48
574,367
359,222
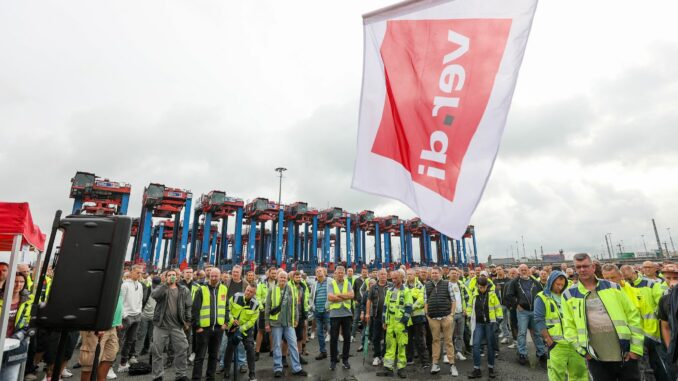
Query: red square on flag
439,75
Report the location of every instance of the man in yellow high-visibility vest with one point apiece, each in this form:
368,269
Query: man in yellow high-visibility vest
209,310
340,297
602,324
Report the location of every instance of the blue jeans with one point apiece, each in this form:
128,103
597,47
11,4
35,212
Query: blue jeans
504,324
291,338
525,321
484,332
322,324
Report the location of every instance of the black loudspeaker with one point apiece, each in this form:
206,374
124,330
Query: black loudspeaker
87,274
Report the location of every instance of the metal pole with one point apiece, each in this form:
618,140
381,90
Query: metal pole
280,171
609,253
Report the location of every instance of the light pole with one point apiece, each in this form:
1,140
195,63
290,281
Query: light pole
644,245
280,171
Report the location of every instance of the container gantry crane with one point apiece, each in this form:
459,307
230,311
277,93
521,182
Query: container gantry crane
163,202
217,206
260,210
99,196
334,218
369,225
299,249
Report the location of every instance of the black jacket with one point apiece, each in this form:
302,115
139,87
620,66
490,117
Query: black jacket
184,307
517,296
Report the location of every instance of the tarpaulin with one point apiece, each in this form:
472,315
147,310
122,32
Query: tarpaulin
15,218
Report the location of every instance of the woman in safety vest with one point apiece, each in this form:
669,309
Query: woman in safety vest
19,315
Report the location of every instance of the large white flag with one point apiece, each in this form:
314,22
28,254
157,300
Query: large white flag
438,79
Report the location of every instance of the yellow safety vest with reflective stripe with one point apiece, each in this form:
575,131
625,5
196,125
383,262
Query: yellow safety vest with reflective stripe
417,292
553,318
345,303
647,305
493,304
276,300
247,313
195,287
304,301
622,313
222,291
23,314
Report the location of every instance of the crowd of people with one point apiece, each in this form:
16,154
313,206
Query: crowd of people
586,320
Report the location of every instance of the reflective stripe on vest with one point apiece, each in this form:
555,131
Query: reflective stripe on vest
626,326
205,318
345,303
552,317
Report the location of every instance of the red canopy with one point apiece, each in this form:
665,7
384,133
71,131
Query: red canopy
15,218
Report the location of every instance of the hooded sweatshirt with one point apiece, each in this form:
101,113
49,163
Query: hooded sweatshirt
540,308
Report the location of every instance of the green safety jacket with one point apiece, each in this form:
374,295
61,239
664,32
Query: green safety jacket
245,312
493,304
304,301
650,292
262,292
398,305
622,313
204,317
417,291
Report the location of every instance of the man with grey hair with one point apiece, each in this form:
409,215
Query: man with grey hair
339,295
282,315
132,302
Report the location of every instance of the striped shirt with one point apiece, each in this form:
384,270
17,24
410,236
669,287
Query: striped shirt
321,296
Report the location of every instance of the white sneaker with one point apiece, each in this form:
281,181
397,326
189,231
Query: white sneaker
376,361
312,335
504,340
191,357
501,334
513,345
133,360
111,374
123,368
453,371
446,360
460,357
66,373
435,368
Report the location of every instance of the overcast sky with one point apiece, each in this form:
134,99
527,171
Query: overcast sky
216,94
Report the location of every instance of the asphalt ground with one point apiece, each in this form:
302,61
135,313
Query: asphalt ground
506,366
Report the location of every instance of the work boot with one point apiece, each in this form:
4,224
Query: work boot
386,372
475,374
321,356
302,361
491,373
401,373
522,359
